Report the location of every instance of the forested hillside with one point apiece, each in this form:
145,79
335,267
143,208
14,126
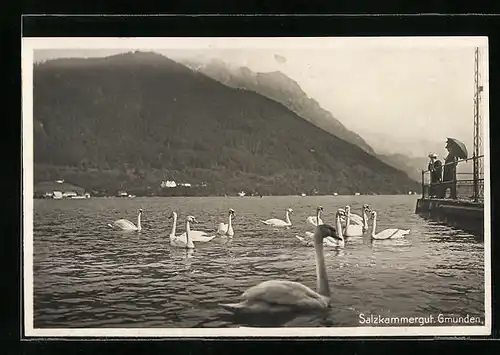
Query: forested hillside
132,120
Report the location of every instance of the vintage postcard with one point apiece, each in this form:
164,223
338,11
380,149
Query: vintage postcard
256,187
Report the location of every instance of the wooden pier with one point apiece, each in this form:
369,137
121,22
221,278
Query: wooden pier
463,214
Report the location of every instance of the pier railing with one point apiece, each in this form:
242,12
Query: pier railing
465,186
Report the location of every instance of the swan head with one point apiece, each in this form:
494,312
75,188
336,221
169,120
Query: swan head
323,231
231,212
191,219
140,210
373,214
289,210
319,208
173,215
366,208
347,209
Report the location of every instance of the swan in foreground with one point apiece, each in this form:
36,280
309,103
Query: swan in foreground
391,233
355,230
126,225
227,228
181,242
287,296
315,220
278,222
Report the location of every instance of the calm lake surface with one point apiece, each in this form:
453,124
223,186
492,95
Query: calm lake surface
87,275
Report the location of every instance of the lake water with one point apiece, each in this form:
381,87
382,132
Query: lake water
86,275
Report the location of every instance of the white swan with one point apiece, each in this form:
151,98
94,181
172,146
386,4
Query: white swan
288,296
174,226
126,225
315,220
199,236
338,241
391,233
355,230
180,242
357,219
278,222
227,228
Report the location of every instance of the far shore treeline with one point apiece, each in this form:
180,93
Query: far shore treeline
130,121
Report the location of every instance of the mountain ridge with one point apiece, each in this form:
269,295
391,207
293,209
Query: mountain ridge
130,121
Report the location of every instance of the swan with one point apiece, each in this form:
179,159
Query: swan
278,222
316,220
194,236
288,296
357,219
180,242
391,233
227,228
355,230
198,236
337,241
126,225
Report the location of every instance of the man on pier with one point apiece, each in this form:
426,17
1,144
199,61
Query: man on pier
435,168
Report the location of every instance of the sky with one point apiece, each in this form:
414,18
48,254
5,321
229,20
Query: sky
388,92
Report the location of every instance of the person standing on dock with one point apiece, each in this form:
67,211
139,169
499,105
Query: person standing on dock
435,168
450,173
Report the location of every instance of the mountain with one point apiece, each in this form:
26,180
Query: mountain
132,120
412,166
281,88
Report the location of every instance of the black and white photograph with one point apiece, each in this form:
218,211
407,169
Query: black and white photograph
256,187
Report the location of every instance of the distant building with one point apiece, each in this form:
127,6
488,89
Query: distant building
57,195
122,194
60,181
168,183
69,194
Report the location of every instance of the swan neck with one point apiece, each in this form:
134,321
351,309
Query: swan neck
348,218
339,227
174,225
188,229
321,276
287,217
229,222
318,216
374,225
139,221
365,222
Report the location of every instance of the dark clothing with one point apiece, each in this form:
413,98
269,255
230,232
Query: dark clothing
450,175
450,168
435,171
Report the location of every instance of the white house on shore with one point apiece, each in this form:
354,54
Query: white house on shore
168,183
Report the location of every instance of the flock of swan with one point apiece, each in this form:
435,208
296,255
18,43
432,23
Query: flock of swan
275,296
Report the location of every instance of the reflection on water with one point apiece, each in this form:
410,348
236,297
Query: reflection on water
86,275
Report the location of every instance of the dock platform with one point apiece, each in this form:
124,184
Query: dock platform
463,214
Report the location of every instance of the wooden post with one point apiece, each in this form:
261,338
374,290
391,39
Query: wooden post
423,184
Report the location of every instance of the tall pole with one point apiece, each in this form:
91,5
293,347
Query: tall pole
477,90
